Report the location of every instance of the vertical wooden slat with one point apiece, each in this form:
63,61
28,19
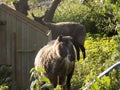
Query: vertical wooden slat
2,47
14,56
2,39
25,47
12,29
8,38
18,55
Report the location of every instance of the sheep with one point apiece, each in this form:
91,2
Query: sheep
75,30
57,58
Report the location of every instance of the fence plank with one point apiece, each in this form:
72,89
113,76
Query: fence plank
2,40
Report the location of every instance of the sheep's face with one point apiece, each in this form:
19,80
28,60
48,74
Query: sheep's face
62,44
38,19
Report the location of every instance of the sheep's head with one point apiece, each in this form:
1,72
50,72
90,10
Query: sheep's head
38,19
63,45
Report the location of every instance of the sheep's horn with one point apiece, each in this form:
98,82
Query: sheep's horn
39,17
32,15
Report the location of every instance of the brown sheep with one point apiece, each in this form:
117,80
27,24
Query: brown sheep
58,60
75,30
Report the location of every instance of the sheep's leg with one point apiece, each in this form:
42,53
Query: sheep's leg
83,50
76,45
69,76
79,46
77,52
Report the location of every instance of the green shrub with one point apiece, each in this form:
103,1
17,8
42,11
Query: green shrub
5,77
3,87
70,10
37,82
98,17
101,54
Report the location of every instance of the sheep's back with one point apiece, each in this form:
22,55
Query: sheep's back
73,29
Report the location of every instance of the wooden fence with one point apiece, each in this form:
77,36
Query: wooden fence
20,39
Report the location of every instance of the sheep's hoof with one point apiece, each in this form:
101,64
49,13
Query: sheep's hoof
65,87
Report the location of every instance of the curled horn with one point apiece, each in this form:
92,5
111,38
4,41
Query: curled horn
33,15
37,17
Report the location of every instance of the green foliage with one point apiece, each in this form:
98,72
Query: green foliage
3,87
70,10
38,80
98,17
101,84
105,17
58,87
5,77
36,84
7,1
101,54
110,82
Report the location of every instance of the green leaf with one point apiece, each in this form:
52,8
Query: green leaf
45,79
7,1
31,70
39,69
95,86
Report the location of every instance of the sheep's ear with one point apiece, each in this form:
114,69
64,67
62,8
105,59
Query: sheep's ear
59,38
